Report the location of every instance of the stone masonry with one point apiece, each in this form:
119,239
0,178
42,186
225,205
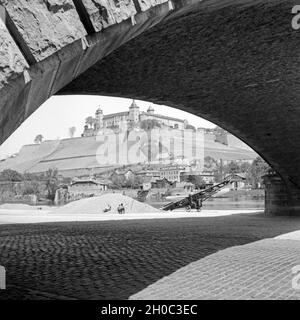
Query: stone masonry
232,62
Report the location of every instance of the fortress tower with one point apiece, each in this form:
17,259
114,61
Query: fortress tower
99,119
134,113
150,110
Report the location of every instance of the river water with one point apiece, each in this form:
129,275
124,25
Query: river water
226,203
234,203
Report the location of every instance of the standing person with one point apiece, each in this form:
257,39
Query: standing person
122,209
199,204
119,209
192,202
188,207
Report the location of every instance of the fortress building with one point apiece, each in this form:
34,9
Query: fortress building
132,117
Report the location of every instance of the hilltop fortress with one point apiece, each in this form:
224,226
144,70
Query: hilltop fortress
122,139
130,119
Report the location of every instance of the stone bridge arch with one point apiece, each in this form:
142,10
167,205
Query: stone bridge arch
233,62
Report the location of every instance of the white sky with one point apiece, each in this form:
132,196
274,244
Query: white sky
54,118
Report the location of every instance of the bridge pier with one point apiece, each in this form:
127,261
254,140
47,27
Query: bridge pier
281,198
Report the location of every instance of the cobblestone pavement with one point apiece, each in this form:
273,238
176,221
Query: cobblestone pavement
117,259
260,270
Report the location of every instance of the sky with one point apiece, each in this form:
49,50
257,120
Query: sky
54,118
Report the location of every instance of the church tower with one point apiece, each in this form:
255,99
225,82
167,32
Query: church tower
134,112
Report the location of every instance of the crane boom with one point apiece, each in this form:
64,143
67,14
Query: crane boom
203,195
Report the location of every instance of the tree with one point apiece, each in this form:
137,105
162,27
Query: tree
129,183
10,175
118,180
51,177
33,176
33,183
90,121
245,167
72,131
38,139
197,181
231,168
31,187
258,168
210,164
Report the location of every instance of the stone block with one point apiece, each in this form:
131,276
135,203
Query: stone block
104,13
147,4
44,26
12,70
12,62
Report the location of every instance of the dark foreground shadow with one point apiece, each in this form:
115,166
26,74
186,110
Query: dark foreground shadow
115,259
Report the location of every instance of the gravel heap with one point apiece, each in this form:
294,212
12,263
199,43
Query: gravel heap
98,204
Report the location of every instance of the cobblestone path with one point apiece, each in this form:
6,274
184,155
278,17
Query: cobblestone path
117,259
260,270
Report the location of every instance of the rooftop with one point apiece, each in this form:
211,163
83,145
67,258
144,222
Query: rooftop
133,105
84,181
112,115
164,117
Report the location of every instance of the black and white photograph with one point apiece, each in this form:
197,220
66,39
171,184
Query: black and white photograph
149,151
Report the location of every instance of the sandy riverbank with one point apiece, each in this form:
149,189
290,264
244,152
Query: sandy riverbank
92,209
10,216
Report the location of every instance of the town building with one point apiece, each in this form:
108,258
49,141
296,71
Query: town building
172,173
162,184
127,173
206,175
238,181
148,173
147,183
87,187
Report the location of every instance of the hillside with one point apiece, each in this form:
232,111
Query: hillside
78,156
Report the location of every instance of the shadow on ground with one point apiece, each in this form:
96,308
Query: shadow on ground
116,259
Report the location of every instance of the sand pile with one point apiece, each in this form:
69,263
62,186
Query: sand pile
98,204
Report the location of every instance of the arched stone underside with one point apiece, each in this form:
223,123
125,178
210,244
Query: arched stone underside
233,62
